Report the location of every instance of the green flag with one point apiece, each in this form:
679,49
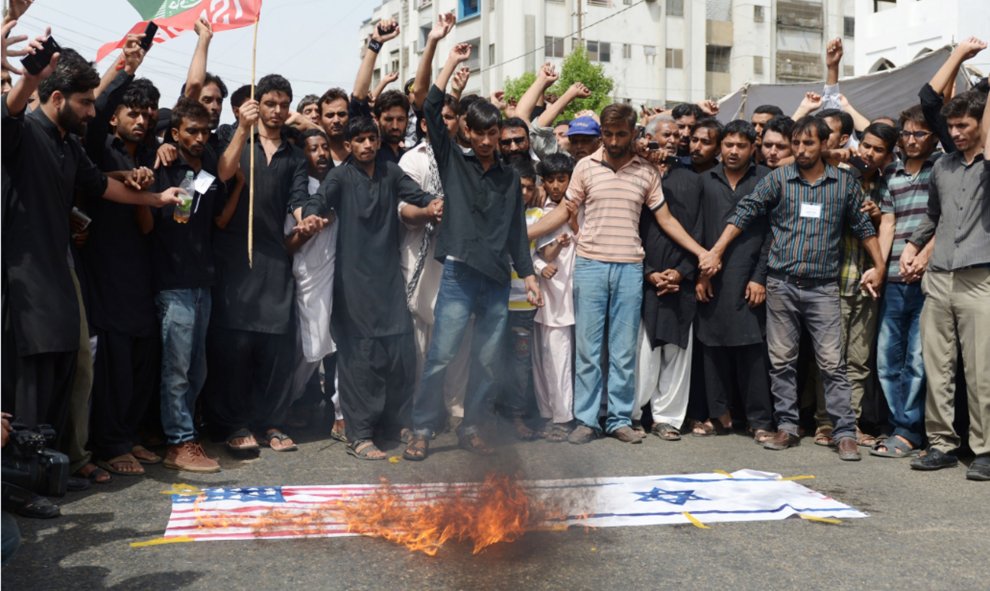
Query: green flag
157,9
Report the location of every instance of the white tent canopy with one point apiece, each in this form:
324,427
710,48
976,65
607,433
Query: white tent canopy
874,95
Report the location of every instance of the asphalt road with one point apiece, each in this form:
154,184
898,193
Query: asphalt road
925,530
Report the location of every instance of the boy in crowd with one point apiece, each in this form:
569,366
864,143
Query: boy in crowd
371,322
553,346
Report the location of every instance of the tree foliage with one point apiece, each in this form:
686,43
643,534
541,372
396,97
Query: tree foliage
576,68
516,87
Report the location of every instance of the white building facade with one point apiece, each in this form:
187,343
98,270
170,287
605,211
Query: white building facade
649,48
892,33
657,51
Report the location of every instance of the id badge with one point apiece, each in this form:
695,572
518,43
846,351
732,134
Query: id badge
811,210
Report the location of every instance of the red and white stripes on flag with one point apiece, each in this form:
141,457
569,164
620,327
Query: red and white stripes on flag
222,14
315,511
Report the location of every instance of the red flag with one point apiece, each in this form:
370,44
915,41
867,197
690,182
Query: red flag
222,14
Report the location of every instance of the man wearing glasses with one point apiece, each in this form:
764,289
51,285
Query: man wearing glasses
899,364
514,140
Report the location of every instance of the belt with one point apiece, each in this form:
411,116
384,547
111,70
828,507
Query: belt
802,282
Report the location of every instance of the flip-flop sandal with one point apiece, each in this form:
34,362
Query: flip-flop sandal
251,444
338,434
94,474
113,465
823,436
666,431
474,443
364,449
865,439
702,429
894,447
145,455
417,449
273,435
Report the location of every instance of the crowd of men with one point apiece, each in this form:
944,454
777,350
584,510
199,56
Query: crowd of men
422,260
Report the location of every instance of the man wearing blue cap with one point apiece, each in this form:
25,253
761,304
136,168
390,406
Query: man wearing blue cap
584,136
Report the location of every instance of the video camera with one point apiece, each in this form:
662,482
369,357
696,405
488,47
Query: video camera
29,464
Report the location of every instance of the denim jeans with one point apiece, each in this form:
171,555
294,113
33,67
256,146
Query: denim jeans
900,365
612,291
184,316
789,307
463,292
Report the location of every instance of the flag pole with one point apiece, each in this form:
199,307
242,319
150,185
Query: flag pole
250,228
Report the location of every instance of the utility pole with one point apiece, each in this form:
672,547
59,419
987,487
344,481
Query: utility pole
580,24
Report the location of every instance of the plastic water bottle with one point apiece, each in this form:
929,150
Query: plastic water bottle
184,210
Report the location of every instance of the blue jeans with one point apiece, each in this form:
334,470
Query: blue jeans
184,316
463,292
900,366
612,291
789,307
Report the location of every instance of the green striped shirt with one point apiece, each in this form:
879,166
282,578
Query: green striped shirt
806,219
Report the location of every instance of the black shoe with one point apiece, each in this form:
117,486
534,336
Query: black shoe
39,507
77,484
934,459
979,469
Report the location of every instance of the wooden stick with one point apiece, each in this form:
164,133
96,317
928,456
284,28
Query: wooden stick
250,228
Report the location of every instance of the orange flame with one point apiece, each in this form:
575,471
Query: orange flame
497,510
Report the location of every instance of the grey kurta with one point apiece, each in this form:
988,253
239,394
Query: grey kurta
727,320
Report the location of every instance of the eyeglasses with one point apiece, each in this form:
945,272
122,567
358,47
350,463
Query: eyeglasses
512,140
918,135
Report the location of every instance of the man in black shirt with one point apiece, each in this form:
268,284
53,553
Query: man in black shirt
392,114
731,316
118,265
183,275
251,346
483,228
371,323
44,165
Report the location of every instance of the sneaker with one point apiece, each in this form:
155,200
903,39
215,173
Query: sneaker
190,457
934,459
979,469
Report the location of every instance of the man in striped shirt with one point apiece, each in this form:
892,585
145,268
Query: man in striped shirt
612,185
900,367
807,204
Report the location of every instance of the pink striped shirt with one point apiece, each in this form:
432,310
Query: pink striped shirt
613,201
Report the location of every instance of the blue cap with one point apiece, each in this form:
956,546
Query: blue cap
584,126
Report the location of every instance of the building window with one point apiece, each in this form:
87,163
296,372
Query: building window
553,46
424,34
474,62
650,52
675,58
717,58
491,53
626,51
758,65
758,16
599,51
468,8
848,26
675,7
598,3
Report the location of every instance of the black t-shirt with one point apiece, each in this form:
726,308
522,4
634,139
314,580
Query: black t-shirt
117,255
259,298
42,170
183,253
